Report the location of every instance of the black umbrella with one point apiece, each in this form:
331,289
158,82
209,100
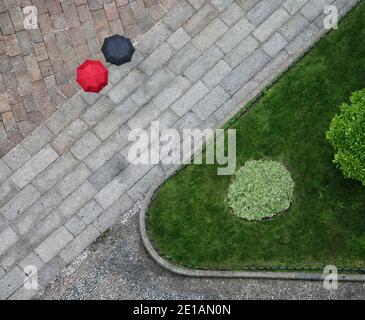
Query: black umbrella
117,49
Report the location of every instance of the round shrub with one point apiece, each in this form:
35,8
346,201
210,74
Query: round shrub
347,136
261,189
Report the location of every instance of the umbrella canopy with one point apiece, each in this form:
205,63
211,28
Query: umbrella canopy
117,49
92,76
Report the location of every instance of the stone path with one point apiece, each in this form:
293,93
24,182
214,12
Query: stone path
37,67
69,181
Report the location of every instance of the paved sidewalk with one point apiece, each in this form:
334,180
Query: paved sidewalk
69,181
37,67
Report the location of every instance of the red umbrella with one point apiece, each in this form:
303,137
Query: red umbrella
92,76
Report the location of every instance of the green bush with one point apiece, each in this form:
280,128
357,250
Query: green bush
261,189
347,136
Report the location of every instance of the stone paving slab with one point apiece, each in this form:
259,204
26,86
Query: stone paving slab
37,67
69,181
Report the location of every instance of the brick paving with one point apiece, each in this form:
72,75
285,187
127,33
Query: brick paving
69,181
37,67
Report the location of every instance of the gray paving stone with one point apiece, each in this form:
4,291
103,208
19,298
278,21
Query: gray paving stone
190,98
313,8
157,59
111,215
210,34
247,5
144,116
31,260
200,19
130,83
183,58
7,191
153,38
274,45
44,228
197,4
215,75
73,179
235,35
37,212
4,171
232,14
3,222
66,114
34,166
178,15
178,39
24,294
89,212
84,239
245,71
274,22
108,149
16,206
10,282
96,112
152,86
115,119
252,87
76,200
14,254
82,148
294,5
262,11
16,157
294,26
205,62
6,26
125,180
210,103
153,177
108,171
55,172
171,93
117,73
50,247
49,271
75,225
166,119
37,139
68,136
221,4
245,48
7,238
188,121
303,41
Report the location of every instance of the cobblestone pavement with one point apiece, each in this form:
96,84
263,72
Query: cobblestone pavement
119,268
69,181
37,67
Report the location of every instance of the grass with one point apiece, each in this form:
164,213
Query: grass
189,220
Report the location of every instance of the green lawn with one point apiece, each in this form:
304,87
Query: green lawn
190,222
